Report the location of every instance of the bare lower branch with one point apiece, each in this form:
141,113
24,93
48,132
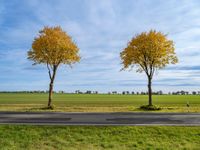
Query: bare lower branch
49,71
152,69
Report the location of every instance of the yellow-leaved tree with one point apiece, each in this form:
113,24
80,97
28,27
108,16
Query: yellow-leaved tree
53,47
148,52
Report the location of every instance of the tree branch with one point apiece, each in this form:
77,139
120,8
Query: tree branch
146,65
152,69
49,71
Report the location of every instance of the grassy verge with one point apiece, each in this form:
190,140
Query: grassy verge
117,138
78,108
97,103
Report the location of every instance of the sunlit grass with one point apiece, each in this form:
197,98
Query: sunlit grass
98,138
97,103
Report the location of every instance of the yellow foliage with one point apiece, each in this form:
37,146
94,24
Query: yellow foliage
53,47
149,51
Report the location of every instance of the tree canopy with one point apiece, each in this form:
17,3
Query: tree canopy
53,46
149,51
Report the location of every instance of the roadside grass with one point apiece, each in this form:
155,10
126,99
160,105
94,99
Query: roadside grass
97,103
98,138
42,108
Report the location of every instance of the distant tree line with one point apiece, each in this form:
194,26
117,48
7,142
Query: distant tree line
161,93
158,93
23,91
87,92
31,91
112,92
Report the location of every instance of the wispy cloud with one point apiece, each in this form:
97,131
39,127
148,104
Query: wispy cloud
101,29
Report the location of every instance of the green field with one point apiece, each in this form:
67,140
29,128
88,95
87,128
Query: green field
18,137
97,138
96,103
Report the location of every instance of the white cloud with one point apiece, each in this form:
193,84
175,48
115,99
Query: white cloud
101,29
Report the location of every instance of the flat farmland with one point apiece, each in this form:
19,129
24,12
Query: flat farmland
96,102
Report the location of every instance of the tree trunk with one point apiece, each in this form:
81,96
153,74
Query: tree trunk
50,93
150,91
51,86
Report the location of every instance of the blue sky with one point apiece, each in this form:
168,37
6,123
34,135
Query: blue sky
101,29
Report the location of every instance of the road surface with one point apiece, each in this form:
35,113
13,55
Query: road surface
139,118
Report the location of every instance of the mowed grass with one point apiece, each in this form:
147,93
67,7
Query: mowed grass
97,103
18,137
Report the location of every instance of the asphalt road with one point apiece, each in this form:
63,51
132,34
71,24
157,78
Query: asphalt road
55,118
